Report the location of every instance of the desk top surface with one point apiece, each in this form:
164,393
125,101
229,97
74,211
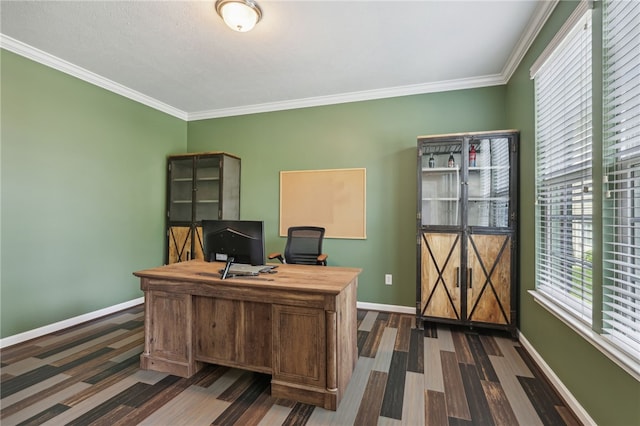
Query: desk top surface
323,279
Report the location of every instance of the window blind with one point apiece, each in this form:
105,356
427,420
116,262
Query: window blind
563,87
621,157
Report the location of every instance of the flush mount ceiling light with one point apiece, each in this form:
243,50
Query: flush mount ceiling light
239,15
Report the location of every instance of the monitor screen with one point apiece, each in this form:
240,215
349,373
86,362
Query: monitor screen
241,239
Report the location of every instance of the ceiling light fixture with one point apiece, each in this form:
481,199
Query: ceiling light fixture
239,15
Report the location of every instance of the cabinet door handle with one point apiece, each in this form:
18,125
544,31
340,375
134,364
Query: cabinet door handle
457,277
470,277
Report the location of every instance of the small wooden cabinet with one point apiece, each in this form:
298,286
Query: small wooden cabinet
199,186
467,229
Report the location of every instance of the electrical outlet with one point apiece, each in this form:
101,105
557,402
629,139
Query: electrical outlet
388,279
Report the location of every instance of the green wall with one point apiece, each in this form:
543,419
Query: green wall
83,194
83,172
378,135
610,395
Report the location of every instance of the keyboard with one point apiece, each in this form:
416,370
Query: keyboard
245,269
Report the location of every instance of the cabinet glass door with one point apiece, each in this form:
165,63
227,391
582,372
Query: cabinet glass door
207,188
181,181
489,182
440,177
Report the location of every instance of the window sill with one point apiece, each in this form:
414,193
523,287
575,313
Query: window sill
619,357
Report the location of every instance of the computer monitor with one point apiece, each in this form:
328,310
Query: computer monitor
241,239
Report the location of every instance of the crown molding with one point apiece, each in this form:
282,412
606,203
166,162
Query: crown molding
367,95
540,16
542,13
54,62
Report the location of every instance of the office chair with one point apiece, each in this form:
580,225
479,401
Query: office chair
304,246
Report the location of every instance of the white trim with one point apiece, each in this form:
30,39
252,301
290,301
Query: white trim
568,397
61,325
620,358
367,95
386,308
571,22
540,16
56,63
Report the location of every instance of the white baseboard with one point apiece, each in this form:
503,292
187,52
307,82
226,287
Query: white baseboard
61,325
386,308
568,397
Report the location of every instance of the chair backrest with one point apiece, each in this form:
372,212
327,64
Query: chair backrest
304,244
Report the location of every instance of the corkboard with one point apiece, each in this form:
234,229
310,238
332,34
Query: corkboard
334,199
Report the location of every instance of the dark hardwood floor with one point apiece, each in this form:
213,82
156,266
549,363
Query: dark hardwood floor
89,374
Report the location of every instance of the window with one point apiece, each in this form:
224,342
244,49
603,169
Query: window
564,184
566,156
621,166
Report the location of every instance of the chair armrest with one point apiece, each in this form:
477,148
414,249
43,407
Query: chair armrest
276,256
322,259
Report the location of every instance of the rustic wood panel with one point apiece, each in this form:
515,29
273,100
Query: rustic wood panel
462,350
299,345
518,400
482,362
413,406
372,400
385,350
456,397
433,366
394,391
440,266
225,332
415,361
179,243
169,342
404,333
373,339
252,390
368,321
435,409
489,296
501,411
543,401
476,399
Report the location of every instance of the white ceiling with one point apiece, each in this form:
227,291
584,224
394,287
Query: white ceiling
179,57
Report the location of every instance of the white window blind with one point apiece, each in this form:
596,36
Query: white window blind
563,87
621,157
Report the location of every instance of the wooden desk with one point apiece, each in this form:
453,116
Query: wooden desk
299,325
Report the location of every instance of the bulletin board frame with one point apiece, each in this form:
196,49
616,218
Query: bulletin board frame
333,198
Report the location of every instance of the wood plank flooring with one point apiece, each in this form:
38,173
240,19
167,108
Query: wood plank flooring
90,374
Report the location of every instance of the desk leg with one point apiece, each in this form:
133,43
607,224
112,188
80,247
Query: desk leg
147,325
332,361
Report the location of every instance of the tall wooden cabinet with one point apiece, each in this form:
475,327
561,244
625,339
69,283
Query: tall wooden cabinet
467,229
199,186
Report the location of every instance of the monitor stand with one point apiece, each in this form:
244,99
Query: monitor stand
226,268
